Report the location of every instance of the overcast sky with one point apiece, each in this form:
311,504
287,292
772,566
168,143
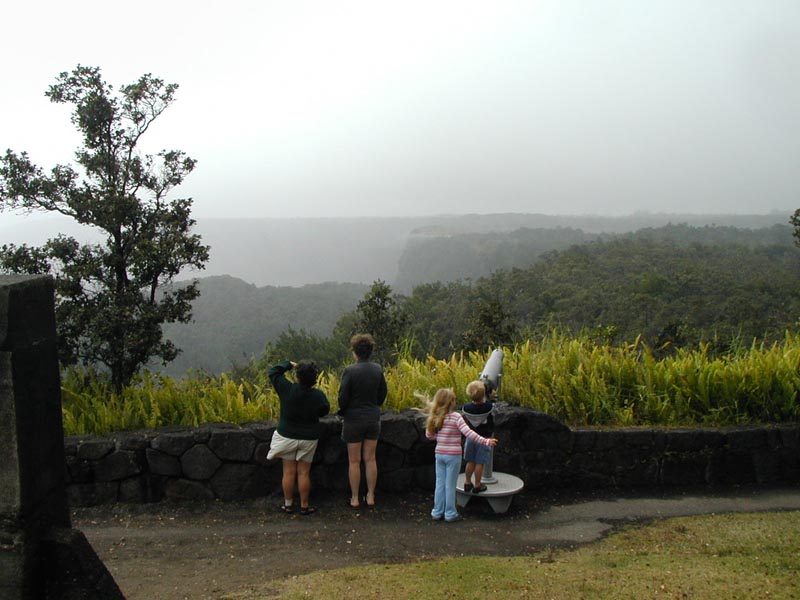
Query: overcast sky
363,108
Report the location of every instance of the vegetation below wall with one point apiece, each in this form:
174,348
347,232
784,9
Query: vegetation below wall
574,379
232,320
653,327
676,285
479,254
663,285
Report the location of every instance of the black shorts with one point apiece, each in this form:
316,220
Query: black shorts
358,430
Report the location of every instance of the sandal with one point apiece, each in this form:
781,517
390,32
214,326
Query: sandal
478,490
307,510
370,506
287,508
467,488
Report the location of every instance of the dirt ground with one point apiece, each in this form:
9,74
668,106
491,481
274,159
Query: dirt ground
173,551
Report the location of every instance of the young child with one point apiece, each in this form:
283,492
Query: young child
478,414
446,427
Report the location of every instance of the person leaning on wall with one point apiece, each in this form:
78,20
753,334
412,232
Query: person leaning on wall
362,391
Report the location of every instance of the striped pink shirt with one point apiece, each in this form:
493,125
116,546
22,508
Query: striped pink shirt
448,438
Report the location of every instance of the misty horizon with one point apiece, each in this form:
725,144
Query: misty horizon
360,108
297,251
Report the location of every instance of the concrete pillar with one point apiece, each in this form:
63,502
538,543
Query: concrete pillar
32,498
41,556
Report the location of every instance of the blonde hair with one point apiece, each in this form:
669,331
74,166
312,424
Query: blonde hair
444,402
476,390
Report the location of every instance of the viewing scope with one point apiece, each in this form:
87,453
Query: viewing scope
492,373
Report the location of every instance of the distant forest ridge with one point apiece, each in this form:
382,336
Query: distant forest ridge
661,272
233,320
296,252
673,292
429,259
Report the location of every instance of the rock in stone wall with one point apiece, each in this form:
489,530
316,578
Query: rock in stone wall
229,461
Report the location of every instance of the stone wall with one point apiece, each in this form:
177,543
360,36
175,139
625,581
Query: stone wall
229,461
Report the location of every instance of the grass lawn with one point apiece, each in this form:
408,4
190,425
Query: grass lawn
712,557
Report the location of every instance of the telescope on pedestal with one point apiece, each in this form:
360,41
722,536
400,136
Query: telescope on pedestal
492,373
492,376
501,486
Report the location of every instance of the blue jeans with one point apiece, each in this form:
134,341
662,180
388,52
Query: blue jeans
444,497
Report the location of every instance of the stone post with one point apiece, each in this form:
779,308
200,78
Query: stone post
41,557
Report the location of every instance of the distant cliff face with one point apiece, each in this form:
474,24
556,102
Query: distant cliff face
295,252
360,250
300,251
245,299
438,254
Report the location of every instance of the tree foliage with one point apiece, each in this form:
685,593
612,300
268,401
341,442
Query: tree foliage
112,298
470,256
794,221
232,320
489,326
380,313
668,293
660,286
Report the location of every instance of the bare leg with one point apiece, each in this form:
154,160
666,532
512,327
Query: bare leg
303,481
468,471
287,483
354,471
371,469
478,474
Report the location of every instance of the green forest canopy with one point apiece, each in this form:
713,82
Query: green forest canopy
673,285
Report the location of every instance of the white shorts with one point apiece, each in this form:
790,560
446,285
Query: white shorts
291,449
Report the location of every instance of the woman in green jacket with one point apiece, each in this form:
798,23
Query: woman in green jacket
295,439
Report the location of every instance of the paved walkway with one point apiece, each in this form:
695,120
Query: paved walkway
203,551
586,521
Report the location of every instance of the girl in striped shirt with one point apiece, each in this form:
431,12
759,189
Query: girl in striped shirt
446,427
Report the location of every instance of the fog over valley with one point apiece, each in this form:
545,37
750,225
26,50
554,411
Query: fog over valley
264,179
301,251
266,276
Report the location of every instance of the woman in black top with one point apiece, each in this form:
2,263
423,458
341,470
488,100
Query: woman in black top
361,393
295,439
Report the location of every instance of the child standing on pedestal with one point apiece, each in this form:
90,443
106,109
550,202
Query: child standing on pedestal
478,414
446,427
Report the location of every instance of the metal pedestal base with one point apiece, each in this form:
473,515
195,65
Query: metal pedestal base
499,494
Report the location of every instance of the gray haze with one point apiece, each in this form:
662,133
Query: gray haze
369,108
300,251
